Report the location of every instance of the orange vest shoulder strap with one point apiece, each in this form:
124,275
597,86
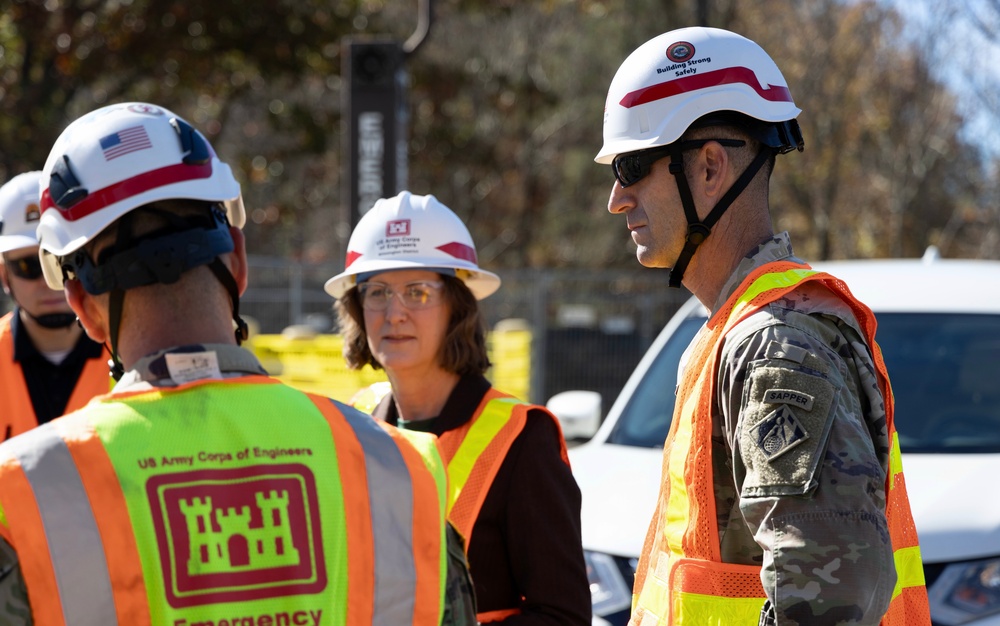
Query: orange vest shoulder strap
95,380
17,415
475,452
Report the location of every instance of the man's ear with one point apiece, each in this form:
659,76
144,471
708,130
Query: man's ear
3,278
92,314
713,171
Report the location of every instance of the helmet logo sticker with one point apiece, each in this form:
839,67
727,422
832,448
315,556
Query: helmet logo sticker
682,55
32,213
680,51
397,228
240,534
125,142
146,109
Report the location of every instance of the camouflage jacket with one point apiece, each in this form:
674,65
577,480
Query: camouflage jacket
153,371
808,508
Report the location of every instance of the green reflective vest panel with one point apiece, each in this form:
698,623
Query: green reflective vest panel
238,516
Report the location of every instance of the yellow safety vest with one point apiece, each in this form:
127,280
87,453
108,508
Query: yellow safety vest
226,502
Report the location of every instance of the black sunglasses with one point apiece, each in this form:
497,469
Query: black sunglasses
28,268
632,167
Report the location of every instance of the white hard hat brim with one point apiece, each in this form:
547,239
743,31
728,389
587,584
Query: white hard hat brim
480,282
10,243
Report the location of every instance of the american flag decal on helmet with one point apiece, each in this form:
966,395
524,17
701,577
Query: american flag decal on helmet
125,142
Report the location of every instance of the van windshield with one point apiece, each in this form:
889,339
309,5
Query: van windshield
944,368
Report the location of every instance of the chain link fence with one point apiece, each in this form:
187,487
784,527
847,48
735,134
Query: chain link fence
588,328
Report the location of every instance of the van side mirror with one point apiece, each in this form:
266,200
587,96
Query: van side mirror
579,412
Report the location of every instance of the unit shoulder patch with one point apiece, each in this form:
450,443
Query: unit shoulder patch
798,399
778,433
783,427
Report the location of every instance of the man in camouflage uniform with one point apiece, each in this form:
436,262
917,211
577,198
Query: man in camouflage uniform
800,443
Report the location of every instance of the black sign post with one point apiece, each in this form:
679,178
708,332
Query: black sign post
375,109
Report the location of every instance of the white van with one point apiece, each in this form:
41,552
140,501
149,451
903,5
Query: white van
939,330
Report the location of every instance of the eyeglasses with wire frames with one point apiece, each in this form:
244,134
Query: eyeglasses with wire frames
632,167
28,268
421,294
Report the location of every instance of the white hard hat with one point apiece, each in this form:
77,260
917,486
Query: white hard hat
116,159
680,76
412,232
19,212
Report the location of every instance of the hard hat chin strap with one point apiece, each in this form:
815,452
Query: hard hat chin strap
115,301
116,298
225,277
699,230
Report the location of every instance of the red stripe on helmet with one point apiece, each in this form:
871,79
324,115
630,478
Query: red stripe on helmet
460,251
127,188
352,256
725,76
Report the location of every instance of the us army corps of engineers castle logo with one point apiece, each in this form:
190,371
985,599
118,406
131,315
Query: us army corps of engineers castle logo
229,535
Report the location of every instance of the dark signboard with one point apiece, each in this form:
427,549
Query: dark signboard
375,110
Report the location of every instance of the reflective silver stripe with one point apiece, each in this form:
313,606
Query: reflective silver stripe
75,546
390,493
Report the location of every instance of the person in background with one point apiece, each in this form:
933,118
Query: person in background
782,499
199,491
48,366
407,303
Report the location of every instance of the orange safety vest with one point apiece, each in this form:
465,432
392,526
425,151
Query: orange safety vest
681,578
17,415
274,507
474,453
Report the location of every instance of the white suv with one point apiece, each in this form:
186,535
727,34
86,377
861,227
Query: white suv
939,329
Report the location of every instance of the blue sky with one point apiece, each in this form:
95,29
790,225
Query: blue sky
963,58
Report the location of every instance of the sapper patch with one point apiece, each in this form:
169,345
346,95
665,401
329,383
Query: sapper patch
783,473
797,399
778,432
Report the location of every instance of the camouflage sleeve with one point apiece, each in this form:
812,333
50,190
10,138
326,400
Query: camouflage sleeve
14,608
805,429
460,596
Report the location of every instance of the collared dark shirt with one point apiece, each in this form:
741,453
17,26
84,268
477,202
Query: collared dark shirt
526,551
49,385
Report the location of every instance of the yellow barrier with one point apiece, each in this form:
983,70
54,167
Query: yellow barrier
315,363
510,353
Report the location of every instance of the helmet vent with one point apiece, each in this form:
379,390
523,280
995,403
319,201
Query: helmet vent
64,187
194,147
